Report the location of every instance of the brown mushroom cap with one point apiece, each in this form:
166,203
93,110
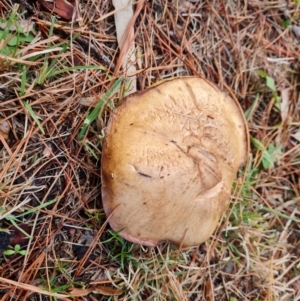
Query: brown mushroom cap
170,156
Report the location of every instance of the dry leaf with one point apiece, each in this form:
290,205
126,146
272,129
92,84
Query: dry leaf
284,111
47,151
17,236
80,292
108,291
208,290
125,34
103,290
185,6
86,238
25,25
89,101
284,106
62,8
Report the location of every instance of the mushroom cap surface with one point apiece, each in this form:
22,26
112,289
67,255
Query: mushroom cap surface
170,156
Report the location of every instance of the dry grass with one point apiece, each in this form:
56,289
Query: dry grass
71,253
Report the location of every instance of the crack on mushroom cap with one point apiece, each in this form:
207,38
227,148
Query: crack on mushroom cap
174,153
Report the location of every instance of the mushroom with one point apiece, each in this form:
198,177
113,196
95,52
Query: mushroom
170,156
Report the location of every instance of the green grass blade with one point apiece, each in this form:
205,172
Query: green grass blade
266,157
278,213
23,81
33,115
91,117
41,206
68,69
11,219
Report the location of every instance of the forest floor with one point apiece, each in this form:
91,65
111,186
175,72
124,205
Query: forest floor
57,61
